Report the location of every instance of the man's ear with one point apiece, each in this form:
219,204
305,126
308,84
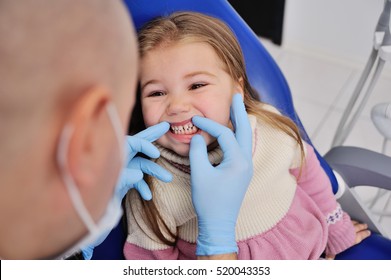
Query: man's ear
88,143
239,87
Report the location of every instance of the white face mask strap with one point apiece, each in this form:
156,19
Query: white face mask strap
62,152
70,183
116,123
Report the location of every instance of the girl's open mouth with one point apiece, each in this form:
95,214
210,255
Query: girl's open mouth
183,128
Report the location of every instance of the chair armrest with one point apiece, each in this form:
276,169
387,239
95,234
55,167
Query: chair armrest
360,167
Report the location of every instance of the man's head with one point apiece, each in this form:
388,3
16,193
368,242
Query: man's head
62,63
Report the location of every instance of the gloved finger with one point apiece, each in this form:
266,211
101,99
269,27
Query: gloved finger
241,124
87,252
128,178
198,154
143,189
151,168
141,142
224,135
139,145
154,132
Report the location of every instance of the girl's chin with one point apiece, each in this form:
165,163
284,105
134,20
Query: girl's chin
183,150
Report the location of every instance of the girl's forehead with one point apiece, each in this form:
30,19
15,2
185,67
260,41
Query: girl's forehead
196,46
193,55
183,49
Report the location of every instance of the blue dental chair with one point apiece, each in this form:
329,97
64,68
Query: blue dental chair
346,167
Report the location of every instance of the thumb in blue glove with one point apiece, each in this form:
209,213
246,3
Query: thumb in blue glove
218,192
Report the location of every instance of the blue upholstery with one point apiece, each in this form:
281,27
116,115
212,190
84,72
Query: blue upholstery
112,247
265,76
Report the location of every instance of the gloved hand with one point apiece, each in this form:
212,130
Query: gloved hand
132,174
218,192
141,143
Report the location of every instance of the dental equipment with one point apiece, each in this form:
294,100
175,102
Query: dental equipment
382,51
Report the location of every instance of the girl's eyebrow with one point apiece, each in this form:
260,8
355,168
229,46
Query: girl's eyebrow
192,74
149,82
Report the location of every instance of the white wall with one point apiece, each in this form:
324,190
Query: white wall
341,29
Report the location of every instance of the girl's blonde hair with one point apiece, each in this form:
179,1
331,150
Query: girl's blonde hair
197,27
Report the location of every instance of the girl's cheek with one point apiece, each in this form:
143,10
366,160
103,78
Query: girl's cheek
151,117
148,121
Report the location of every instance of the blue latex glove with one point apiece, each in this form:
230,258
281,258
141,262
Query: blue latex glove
141,143
218,192
136,166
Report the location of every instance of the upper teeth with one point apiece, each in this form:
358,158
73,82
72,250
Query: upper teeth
182,127
187,128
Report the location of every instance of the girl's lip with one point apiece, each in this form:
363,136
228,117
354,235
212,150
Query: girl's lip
180,123
184,138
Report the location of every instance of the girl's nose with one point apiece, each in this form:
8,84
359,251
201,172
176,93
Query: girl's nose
177,105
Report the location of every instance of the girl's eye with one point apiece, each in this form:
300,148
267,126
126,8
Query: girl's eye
196,86
156,94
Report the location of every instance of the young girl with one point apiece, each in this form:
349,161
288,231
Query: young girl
192,64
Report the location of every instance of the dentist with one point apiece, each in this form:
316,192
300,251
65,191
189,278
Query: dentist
68,77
